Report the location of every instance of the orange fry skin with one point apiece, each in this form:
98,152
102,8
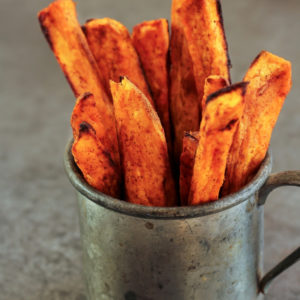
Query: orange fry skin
144,154
212,84
184,98
61,28
95,163
151,41
85,110
111,45
270,82
221,116
63,32
187,159
203,26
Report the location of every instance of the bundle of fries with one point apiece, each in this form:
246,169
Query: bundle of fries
157,117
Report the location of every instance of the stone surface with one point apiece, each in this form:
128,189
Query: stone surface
39,234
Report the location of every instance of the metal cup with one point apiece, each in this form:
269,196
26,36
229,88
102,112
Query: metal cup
212,251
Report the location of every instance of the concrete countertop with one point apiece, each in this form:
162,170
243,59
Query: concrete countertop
40,256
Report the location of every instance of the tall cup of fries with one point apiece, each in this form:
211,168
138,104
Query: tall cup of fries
169,159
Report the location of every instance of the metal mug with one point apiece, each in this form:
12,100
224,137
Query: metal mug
212,251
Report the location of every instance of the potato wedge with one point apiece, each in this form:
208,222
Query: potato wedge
212,84
203,26
270,82
96,164
151,41
111,45
187,159
143,147
184,99
61,28
221,116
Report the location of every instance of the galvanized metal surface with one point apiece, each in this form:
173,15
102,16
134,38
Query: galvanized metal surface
207,257
278,269
208,252
287,178
162,212
214,251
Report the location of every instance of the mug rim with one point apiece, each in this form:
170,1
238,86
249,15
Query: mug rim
152,212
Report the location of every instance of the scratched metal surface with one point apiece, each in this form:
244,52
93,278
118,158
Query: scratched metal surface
39,232
214,256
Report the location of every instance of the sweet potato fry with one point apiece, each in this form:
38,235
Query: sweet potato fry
212,84
270,82
184,99
86,124
221,116
143,148
95,163
203,26
85,110
187,159
151,41
113,50
61,28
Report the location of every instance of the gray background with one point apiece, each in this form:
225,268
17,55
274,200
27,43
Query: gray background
39,234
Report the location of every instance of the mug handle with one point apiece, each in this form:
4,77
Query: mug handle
274,181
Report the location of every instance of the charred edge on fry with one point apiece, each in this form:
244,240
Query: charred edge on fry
42,16
227,89
244,88
121,78
256,59
229,125
229,65
90,20
110,160
85,96
188,134
85,127
83,28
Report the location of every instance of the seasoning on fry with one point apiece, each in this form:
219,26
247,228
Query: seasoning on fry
184,99
95,163
151,41
212,84
61,28
111,45
187,159
203,27
147,172
270,81
221,116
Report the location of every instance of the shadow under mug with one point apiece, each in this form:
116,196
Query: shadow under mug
212,251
